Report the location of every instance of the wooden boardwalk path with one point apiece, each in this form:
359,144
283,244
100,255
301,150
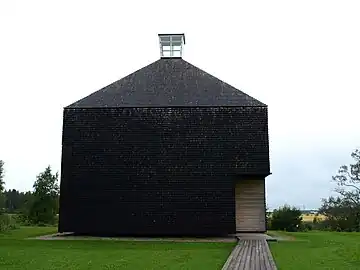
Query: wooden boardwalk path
250,254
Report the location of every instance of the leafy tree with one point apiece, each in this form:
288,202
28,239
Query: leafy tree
343,212
267,218
286,218
2,183
45,201
348,179
341,215
2,186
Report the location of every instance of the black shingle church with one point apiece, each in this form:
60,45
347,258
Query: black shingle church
166,150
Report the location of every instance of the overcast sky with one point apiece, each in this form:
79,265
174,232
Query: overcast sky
301,58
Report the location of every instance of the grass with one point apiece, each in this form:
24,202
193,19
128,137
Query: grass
16,252
318,250
308,250
26,232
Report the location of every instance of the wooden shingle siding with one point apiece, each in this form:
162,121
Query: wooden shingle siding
157,171
250,205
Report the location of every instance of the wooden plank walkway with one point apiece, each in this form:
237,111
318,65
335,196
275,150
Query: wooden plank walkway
250,254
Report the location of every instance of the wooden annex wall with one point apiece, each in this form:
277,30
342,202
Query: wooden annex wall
250,205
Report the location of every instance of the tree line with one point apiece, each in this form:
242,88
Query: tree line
36,207
15,201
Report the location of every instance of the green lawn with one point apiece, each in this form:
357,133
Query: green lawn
18,253
318,250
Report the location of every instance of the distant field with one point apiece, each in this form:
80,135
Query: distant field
317,250
310,217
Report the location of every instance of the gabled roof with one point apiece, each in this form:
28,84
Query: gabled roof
167,82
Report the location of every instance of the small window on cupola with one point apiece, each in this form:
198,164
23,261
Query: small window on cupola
171,45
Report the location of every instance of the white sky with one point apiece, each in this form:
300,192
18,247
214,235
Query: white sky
302,58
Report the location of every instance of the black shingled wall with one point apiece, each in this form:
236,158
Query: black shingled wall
158,171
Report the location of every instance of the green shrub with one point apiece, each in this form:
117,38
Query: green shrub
7,222
322,225
22,219
306,226
25,220
286,218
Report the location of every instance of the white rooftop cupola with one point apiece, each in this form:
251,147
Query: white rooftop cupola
171,45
